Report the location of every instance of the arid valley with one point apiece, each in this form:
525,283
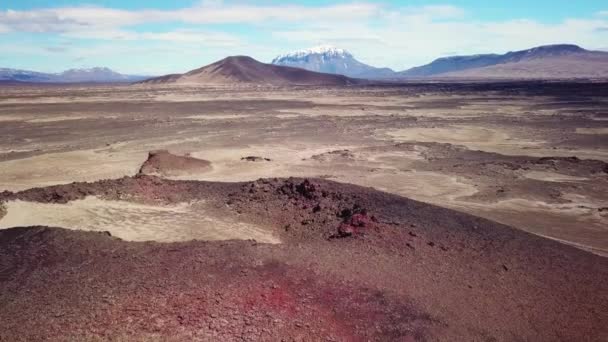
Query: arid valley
492,192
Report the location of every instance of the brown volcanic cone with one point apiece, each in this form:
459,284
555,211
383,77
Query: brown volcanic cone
163,163
355,264
243,69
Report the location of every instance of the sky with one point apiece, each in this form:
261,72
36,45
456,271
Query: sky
155,37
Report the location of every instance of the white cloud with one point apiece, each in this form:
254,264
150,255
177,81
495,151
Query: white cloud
435,11
37,21
59,19
215,38
282,13
378,34
177,36
413,37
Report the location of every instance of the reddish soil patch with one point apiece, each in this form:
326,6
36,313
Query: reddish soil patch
401,271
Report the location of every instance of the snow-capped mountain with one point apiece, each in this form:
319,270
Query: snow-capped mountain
96,75
541,62
324,50
331,60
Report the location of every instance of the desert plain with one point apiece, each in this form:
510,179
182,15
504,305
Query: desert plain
532,156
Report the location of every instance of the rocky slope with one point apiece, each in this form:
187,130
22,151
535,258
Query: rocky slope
355,264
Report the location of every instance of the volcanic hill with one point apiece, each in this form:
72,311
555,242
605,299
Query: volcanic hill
354,264
246,70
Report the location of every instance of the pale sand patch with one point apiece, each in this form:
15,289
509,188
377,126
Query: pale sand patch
125,159
11,118
392,157
599,118
67,167
601,130
426,109
485,139
421,185
56,118
136,222
348,112
198,97
552,176
465,135
579,223
14,150
438,113
70,99
286,116
216,116
285,160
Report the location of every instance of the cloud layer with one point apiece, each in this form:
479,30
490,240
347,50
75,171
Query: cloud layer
382,35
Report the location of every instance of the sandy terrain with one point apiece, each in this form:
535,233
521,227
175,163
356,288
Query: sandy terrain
135,222
474,148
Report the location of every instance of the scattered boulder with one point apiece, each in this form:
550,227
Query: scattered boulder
305,189
164,163
255,159
355,222
333,155
591,166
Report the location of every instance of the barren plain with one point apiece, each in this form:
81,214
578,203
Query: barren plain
527,155
499,151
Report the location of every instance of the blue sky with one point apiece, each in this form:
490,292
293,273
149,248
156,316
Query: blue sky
156,37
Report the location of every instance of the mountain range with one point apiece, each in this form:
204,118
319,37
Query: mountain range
92,75
244,69
543,62
327,65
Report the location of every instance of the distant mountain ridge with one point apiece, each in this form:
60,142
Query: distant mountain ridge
548,61
542,62
559,61
92,75
331,60
246,70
